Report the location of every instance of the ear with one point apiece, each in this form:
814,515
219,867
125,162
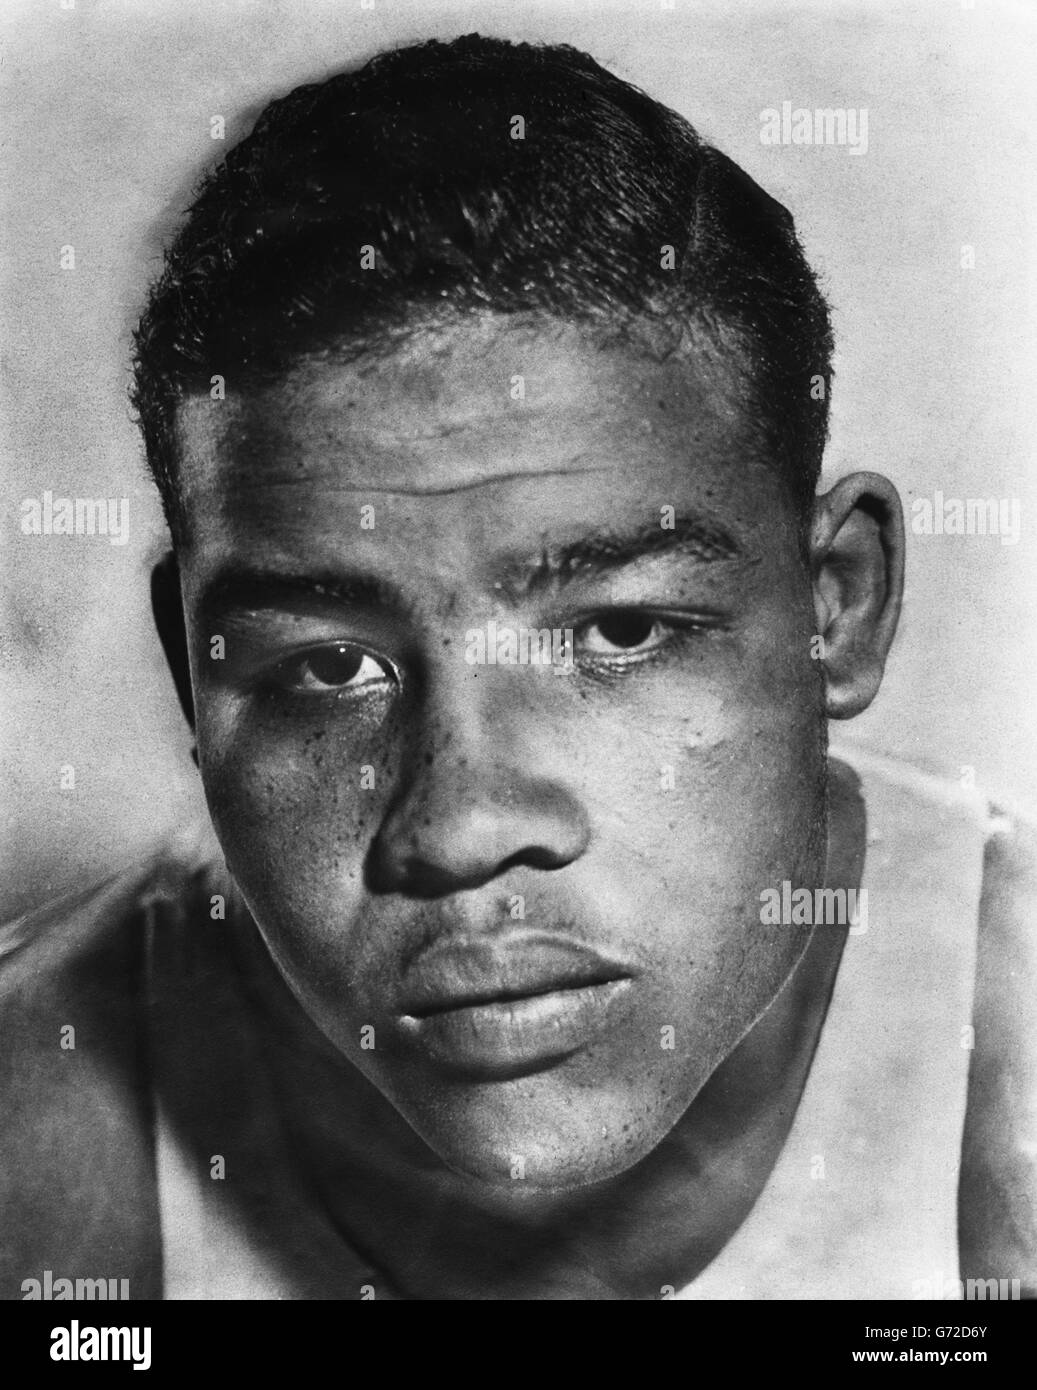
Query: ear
168,609
857,563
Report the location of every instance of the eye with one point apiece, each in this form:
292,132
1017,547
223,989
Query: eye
339,667
624,634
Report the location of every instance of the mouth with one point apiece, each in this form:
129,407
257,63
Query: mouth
504,1007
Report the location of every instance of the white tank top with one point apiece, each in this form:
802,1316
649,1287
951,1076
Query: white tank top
862,1202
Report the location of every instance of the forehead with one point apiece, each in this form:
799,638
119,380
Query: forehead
488,431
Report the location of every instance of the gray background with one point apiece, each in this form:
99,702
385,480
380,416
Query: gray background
105,117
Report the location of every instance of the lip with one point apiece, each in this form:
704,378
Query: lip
505,1006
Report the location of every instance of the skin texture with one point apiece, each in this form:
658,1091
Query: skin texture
638,805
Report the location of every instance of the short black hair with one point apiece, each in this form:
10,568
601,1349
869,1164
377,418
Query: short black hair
479,174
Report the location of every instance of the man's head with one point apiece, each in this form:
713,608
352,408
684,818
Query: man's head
503,345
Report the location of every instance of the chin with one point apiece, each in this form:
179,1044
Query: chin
556,1178
522,1162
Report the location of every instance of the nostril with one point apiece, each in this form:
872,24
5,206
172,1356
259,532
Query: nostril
420,876
535,857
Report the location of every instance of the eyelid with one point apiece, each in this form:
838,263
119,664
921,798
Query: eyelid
320,687
660,613
679,629
257,663
266,629
362,647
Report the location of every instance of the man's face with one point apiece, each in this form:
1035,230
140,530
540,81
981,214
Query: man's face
524,901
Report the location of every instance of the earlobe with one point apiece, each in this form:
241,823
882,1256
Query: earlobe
168,609
857,562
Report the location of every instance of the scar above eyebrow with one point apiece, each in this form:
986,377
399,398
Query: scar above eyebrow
694,537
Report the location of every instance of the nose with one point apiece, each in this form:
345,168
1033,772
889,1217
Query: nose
476,802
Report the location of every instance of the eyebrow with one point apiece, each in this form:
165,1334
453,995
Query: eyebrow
695,537
245,587
692,536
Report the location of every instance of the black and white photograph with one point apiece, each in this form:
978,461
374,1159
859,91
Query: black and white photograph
519,628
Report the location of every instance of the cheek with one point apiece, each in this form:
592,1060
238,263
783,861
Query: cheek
704,796
714,772
295,803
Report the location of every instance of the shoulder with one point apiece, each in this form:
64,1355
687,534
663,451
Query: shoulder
966,866
76,1167
998,1215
